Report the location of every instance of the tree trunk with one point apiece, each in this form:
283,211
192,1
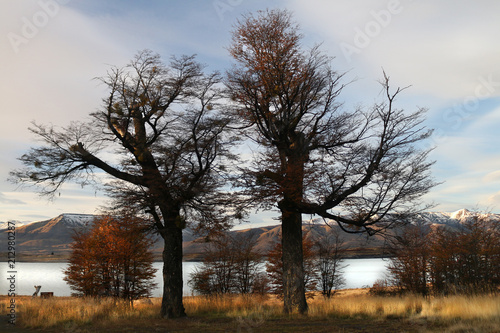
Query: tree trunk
293,267
291,240
171,306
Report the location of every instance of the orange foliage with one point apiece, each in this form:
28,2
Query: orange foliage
112,259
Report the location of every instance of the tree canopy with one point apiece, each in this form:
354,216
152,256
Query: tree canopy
160,139
360,168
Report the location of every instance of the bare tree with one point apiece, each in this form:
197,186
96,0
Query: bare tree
231,265
160,139
351,167
466,259
330,251
457,258
410,250
248,260
216,276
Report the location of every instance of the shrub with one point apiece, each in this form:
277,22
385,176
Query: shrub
112,258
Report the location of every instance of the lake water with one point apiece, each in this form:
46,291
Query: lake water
358,273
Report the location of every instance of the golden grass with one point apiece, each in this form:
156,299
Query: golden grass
441,308
234,306
477,307
459,311
353,303
57,311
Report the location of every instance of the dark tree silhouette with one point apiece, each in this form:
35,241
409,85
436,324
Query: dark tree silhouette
351,167
230,265
247,263
112,258
160,138
216,274
330,249
444,259
410,258
466,259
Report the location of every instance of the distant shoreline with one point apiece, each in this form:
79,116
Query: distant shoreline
367,253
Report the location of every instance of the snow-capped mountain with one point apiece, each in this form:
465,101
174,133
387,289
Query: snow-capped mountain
75,220
47,236
55,235
5,225
454,218
67,219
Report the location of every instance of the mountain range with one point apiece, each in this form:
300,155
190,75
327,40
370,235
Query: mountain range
51,239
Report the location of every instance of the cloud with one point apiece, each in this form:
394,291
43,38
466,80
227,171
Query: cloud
492,177
494,199
4,199
484,121
447,50
48,78
73,199
442,48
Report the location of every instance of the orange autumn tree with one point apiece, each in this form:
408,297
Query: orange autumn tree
112,258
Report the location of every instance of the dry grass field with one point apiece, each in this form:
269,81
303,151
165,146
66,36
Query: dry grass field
349,311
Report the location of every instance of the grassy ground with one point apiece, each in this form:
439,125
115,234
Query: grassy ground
350,311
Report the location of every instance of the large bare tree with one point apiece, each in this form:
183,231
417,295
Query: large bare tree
354,168
160,139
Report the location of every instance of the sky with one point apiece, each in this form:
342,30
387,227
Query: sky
447,51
